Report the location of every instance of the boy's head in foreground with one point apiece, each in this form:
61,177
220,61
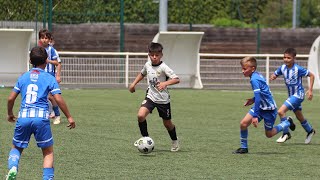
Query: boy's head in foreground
38,56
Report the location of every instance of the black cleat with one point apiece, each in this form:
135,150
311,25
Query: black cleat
292,125
241,151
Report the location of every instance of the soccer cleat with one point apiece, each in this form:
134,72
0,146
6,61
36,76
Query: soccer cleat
12,174
284,138
241,151
56,120
292,125
175,145
309,136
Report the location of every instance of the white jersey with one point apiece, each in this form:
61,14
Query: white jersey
156,74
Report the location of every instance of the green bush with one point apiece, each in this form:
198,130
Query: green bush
225,22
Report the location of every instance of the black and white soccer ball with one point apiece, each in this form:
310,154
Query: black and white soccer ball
145,145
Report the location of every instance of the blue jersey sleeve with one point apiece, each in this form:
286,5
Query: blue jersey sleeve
302,72
257,97
278,72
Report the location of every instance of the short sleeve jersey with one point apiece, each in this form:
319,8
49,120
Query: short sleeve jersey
34,86
52,55
293,79
156,74
259,85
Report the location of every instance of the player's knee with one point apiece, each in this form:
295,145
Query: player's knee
244,124
141,117
281,113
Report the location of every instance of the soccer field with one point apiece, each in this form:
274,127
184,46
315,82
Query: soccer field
207,122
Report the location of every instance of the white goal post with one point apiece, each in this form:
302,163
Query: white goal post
181,53
314,62
14,50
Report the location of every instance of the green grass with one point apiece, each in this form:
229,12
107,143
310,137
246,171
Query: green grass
207,121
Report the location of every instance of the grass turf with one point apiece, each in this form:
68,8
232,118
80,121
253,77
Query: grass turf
207,122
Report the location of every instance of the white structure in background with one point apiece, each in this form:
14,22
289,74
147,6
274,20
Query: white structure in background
14,50
314,62
181,53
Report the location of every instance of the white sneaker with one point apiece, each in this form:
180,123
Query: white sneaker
175,145
284,138
309,136
56,120
12,174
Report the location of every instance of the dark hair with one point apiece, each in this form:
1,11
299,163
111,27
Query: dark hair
38,55
290,51
45,33
155,47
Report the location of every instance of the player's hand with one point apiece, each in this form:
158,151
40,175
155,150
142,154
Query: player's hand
248,102
273,77
255,122
72,124
132,89
11,118
309,95
161,86
58,78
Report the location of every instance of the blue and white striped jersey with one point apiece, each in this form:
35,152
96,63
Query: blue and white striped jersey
34,86
293,79
261,92
52,55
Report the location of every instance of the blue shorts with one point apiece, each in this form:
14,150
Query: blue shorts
293,103
25,127
269,117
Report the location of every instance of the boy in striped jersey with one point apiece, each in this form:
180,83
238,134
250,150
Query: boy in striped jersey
53,67
33,118
264,106
292,75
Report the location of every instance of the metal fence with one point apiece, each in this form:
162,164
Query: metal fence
108,69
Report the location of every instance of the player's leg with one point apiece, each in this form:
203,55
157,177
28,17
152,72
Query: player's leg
282,114
244,124
269,120
306,125
44,139
21,138
48,159
146,108
55,109
164,111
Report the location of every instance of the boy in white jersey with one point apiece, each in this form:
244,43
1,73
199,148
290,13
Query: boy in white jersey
159,77
264,106
292,75
34,87
54,62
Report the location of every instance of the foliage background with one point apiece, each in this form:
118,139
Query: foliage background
230,13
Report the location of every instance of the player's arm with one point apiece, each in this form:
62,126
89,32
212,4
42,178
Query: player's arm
11,99
135,82
163,85
63,106
54,62
58,73
309,92
277,73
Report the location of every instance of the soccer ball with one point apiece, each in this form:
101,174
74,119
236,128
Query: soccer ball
145,145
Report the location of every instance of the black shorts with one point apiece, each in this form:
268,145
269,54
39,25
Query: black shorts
164,110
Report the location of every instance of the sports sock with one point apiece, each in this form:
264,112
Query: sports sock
48,173
285,129
14,157
173,134
306,126
282,126
56,110
144,128
244,138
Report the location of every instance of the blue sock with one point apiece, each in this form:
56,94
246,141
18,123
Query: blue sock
286,129
48,173
56,110
14,157
282,126
244,138
305,124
